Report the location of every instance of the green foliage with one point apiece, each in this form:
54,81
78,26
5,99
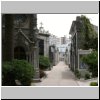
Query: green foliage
93,84
76,71
92,61
44,62
90,35
77,74
17,70
87,76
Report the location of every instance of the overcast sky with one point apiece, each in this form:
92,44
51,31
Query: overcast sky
59,24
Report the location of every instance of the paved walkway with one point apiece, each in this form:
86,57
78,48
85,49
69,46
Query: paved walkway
60,75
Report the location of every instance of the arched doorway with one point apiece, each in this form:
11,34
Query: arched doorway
19,53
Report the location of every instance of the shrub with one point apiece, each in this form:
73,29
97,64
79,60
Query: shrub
92,61
44,62
87,76
93,84
76,71
42,74
19,70
77,74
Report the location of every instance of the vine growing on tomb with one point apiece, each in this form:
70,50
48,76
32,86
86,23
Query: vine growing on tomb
90,35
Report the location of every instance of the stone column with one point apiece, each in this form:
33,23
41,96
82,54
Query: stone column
46,47
30,60
78,60
36,62
27,56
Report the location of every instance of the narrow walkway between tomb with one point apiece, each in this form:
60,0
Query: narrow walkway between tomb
60,75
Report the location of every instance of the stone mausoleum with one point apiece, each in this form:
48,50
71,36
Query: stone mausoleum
25,39
77,44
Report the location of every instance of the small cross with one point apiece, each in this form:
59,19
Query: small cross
41,24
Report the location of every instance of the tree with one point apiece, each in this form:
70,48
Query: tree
91,37
8,46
